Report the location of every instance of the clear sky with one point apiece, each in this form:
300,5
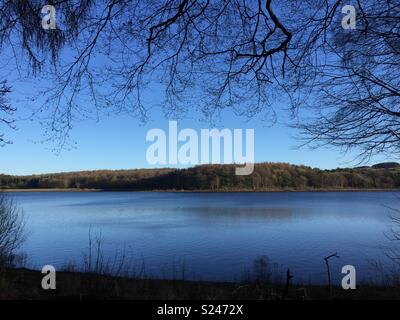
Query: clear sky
119,142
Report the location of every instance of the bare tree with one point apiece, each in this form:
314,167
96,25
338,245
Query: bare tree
11,231
355,84
6,111
108,56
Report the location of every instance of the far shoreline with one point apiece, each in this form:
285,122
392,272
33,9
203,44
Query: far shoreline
197,191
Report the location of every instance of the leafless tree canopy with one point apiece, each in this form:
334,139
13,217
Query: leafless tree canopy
107,56
357,85
6,111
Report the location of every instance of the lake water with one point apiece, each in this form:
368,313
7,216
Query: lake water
216,236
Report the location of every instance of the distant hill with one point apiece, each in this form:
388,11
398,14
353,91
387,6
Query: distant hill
266,176
386,165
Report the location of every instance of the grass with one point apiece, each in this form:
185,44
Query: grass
24,284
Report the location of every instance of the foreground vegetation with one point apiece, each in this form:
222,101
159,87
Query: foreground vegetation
266,177
26,284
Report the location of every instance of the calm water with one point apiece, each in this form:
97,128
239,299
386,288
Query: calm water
216,236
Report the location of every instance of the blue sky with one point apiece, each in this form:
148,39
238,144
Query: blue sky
119,142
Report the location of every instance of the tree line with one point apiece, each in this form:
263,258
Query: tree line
266,176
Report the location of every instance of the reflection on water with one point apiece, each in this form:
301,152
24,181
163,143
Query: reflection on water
216,235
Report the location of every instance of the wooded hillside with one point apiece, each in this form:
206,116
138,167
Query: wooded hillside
266,176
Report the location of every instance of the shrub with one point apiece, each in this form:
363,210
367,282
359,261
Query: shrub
12,235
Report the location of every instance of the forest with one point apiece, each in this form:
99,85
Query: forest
266,177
